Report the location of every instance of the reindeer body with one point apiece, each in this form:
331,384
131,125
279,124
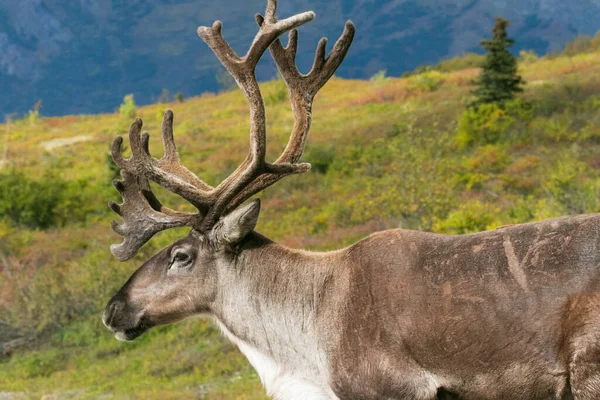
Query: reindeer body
502,314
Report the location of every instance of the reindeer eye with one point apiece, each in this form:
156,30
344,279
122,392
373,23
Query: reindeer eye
181,257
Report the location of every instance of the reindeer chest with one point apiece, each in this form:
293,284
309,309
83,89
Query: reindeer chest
283,381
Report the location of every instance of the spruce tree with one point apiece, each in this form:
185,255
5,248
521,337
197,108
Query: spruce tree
499,80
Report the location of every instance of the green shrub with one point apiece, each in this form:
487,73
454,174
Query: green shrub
470,217
49,201
429,81
484,124
528,56
33,115
128,108
379,76
482,166
490,123
580,45
567,185
320,157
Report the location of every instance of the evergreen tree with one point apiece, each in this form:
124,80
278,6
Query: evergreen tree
499,80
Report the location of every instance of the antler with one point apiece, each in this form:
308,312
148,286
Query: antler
142,212
302,89
144,215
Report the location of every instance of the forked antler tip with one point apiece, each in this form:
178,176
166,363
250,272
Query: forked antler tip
205,32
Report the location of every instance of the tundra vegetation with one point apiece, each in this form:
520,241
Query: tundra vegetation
393,152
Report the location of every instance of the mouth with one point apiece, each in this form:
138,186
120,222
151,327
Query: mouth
131,334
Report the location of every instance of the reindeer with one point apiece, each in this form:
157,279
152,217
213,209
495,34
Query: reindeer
512,313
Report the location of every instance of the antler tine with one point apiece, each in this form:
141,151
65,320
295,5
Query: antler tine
171,161
143,215
302,89
168,172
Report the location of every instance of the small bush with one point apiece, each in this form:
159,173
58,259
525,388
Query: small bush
33,116
478,169
320,157
42,203
492,122
470,217
528,56
481,125
128,108
566,184
426,82
379,76
580,45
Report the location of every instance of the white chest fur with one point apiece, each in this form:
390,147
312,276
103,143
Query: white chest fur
281,383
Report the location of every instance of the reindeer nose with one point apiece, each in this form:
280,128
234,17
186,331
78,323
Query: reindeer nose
114,307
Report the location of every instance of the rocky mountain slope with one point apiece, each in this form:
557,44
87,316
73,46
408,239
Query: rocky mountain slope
82,56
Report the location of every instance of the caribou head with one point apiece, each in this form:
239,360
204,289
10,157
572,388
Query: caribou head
181,280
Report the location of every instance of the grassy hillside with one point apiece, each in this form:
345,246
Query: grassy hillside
386,153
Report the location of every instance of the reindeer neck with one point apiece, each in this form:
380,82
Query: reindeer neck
272,298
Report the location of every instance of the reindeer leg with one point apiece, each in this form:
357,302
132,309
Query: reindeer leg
583,346
584,372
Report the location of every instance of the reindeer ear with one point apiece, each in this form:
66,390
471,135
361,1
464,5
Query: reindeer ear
237,224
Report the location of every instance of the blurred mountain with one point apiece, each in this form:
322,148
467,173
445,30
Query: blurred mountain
83,56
